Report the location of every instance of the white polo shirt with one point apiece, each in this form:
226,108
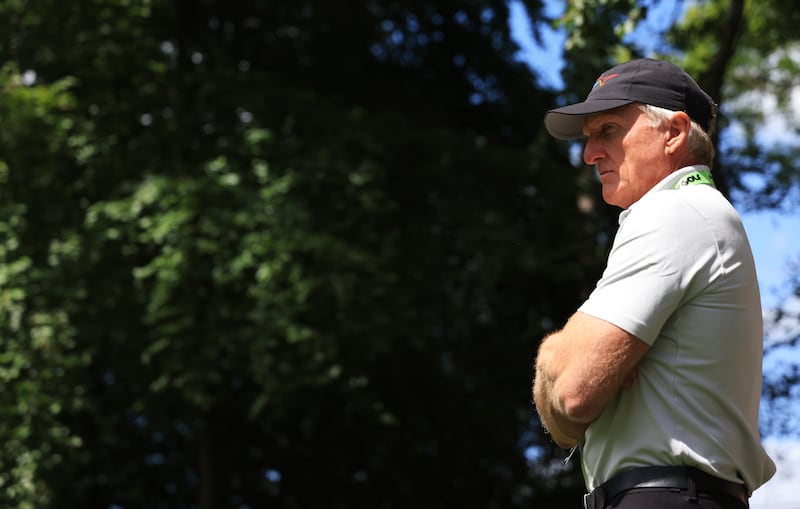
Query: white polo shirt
681,277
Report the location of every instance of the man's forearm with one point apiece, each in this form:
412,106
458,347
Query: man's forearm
579,369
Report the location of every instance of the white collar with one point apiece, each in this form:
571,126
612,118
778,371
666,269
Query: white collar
668,182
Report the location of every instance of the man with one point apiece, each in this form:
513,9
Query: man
657,377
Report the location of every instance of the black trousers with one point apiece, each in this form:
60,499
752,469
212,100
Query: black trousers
663,498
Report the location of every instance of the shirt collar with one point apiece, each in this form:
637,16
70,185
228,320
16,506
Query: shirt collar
667,182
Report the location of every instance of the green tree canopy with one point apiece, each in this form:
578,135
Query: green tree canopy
278,254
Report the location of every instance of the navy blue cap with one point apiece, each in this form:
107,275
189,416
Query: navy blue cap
648,81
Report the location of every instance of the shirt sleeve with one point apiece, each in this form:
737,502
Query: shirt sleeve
659,250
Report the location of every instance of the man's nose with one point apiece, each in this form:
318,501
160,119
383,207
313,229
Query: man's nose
592,151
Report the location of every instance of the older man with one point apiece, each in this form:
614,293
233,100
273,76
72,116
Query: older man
657,377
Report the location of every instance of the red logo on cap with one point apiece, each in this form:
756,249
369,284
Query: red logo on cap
602,80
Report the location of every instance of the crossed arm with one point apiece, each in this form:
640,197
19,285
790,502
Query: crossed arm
578,370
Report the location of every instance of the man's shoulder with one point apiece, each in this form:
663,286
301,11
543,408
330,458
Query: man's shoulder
677,220
689,221
676,206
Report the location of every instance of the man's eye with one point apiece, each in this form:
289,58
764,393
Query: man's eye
608,129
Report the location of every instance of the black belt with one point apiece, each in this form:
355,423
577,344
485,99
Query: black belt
676,478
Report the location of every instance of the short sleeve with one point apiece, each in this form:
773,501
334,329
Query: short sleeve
659,250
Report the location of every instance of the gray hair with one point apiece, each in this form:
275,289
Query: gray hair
701,147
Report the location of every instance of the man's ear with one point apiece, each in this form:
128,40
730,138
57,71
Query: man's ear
677,133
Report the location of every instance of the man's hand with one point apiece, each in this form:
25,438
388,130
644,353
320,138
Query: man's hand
565,433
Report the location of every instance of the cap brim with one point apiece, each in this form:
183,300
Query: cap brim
566,123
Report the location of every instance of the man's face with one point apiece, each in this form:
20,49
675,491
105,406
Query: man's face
628,152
